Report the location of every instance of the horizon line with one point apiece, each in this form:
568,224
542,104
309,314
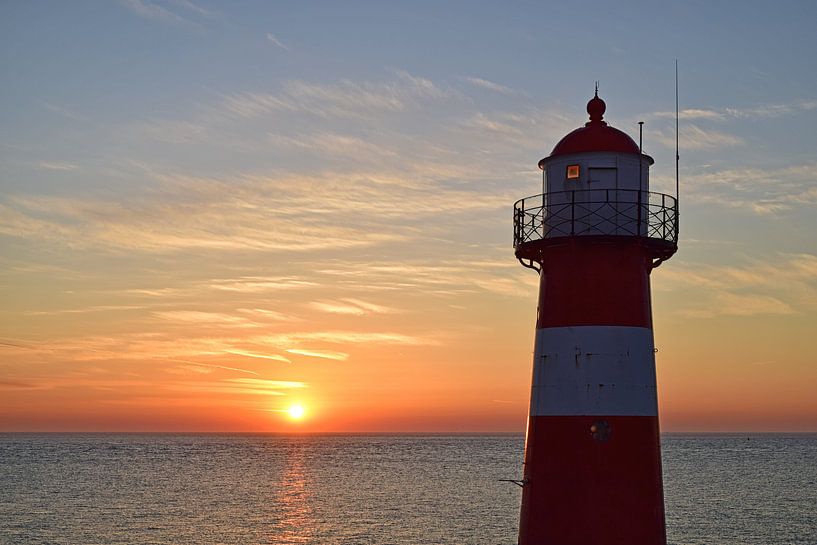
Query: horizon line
374,433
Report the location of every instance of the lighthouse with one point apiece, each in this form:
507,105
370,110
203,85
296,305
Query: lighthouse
592,470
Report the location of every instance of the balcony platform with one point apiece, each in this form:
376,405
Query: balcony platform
596,216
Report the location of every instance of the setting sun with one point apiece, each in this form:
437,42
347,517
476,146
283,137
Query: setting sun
296,411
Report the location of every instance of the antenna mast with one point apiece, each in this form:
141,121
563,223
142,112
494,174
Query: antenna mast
640,153
677,156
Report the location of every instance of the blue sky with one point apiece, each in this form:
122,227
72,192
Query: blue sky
108,64
171,163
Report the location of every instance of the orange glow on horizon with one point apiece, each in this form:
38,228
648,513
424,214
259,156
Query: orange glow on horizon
334,253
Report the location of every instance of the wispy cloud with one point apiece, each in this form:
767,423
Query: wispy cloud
373,308
752,112
337,308
346,99
171,131
84,310
481,122
246,213
777,271
524,286
490,85
59,165
388,183
323,354
734,304
210,367
154,292
22,385
257,284
694,137
274,357
238,386
265,314
692,113
760,190
151,10
206,318
280,384
773,110
342,337
351,306
333,144
192,7
64,112
443,276
780,284
207,347
276,42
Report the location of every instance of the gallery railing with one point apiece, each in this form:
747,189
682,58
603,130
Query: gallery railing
614,212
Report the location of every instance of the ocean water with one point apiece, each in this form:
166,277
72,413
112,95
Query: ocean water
368,489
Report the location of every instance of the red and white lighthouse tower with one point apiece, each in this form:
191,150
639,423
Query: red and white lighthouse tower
592,473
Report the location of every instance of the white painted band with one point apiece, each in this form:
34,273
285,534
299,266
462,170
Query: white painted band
594,370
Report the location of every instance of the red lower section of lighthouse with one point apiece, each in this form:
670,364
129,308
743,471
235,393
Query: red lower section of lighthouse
593,457
592,480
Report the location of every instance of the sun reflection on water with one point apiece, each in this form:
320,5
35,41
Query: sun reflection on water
295,524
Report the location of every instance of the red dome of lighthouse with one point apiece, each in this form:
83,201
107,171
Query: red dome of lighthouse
596,135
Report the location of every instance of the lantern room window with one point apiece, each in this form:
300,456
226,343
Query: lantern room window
572,172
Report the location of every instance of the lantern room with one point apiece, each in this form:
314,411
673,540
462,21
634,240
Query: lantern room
596,182
596,156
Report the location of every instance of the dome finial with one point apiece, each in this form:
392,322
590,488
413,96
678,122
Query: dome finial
596,107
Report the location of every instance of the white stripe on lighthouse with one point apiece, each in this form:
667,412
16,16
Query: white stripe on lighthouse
594,370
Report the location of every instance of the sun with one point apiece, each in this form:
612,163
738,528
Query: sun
296,411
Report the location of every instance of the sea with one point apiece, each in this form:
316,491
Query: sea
368,489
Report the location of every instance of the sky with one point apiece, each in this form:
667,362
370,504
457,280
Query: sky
212,212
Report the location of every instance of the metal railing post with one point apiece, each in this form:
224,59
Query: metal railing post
663,216
515,226
573,212
607,206
677,223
